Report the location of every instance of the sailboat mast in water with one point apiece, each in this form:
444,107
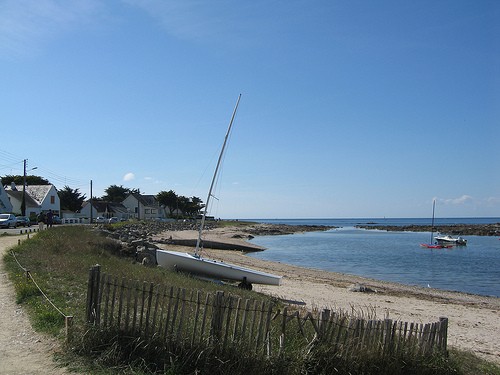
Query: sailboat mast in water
202,224
432,224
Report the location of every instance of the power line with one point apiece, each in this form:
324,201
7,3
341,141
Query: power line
14,160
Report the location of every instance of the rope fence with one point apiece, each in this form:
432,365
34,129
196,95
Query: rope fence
68,319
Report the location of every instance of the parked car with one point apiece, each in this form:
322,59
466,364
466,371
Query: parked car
56,220
113,220
23,221
8,221
100,220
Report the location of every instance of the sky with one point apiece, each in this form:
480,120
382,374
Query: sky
349,109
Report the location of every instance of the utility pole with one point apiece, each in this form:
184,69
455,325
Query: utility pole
23,203
91,205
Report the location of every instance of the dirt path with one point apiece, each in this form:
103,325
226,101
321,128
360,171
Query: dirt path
22,350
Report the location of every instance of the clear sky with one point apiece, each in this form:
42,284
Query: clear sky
349,108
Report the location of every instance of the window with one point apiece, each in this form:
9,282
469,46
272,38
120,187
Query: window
52,199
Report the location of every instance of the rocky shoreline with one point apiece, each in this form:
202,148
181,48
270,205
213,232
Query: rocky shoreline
135,238
455,229
281,229
145,230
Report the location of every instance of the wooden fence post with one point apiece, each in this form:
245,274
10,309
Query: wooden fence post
443,334
217,317
68,322
268,329
148,311
322,325
283,329
93,294
259,325
387,329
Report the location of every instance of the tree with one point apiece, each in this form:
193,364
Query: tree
194,206
168,199
183,204
71,200
18,180
115,193
188,206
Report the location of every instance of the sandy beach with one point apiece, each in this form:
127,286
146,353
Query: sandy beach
474,321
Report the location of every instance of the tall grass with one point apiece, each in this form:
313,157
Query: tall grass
59,260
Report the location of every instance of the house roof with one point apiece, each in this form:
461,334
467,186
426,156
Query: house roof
146,200
18,196
38,192
111,207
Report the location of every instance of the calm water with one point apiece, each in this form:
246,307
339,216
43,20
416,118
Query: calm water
391,256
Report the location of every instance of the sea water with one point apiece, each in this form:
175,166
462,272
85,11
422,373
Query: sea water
390,256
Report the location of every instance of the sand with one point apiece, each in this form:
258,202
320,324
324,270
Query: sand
474,321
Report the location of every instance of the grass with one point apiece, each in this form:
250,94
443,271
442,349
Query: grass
59,260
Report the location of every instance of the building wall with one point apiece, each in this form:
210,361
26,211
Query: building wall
131,204
139,211
5,205
51,201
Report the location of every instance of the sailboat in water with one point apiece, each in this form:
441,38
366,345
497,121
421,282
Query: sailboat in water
432,244
196,264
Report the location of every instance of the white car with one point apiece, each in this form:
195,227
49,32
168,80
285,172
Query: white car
100,220
8,221
113,220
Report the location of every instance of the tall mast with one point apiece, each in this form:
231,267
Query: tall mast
202,224
432,225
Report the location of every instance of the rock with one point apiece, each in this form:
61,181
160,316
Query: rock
146,255
361,288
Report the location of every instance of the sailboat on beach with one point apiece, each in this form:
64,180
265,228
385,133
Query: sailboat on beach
196,264
432,244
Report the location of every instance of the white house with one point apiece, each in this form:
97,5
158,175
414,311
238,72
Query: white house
103,209
143,207
39,198
46,196
5,205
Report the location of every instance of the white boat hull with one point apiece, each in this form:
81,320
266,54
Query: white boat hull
451,240
175,260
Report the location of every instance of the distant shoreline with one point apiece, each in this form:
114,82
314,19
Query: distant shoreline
453,229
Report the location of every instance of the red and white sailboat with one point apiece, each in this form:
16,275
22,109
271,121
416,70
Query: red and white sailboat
432,244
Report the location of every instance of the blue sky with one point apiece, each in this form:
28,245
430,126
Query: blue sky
348,109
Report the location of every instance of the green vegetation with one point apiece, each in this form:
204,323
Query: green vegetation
71,200
59,260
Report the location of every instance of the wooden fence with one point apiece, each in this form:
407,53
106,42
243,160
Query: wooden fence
176,315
